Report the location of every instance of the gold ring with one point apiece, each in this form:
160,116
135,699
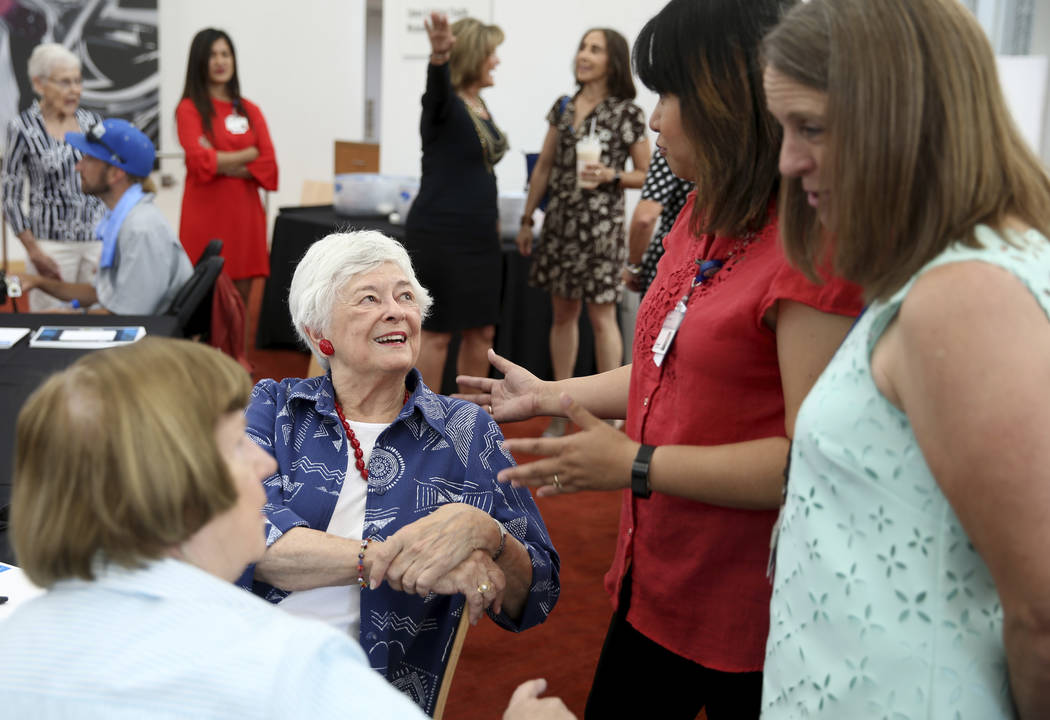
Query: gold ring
557,482
490,408
484,588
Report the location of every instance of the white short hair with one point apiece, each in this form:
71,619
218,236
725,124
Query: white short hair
46,56
326,268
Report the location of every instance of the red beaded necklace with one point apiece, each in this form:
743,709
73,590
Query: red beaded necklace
359,455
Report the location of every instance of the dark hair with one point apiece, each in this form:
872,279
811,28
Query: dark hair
618,75
705,53
196,87
920,146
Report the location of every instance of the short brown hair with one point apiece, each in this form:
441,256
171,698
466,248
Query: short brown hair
475,41
116,457
705,53
921,147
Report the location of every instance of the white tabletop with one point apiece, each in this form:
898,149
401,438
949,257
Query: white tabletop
16,587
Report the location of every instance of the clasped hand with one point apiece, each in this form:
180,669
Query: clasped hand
598,457
445,552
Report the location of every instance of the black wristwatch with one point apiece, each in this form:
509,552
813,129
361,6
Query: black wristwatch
640,472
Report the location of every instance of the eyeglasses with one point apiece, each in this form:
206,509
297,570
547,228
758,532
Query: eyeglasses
67,83
95,135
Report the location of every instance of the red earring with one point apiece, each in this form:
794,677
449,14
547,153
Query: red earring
326,347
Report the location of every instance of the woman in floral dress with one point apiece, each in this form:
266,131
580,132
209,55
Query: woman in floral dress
582,245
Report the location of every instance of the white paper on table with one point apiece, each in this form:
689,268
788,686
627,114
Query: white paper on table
68,337
9,336
16,587
88,335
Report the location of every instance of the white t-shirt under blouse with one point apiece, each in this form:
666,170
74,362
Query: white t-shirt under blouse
340,605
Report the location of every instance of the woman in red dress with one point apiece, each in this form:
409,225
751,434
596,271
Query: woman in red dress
229,156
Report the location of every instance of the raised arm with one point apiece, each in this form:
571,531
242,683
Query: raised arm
438,95
974,388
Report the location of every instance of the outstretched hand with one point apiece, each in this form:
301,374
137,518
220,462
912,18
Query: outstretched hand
516,397
526,704
598,457
440,33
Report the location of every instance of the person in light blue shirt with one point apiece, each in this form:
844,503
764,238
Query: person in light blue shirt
137,501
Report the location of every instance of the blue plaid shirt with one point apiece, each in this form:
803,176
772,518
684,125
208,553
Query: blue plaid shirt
438,450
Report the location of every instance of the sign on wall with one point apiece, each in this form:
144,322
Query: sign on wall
116,41
412,37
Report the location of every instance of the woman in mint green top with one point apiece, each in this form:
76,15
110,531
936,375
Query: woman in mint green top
911,572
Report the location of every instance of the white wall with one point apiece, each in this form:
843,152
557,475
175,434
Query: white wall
1041,46
303,64
535,69
373,72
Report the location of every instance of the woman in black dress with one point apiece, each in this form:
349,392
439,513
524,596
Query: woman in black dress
452,230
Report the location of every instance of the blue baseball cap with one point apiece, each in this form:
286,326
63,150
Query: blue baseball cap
118,143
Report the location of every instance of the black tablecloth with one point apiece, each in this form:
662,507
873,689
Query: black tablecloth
294,230
525,316
23,368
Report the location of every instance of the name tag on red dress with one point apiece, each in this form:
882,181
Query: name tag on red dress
236,124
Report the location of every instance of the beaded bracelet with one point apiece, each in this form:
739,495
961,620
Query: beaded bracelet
361,564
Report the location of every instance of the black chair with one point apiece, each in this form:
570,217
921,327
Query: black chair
192,304
213,248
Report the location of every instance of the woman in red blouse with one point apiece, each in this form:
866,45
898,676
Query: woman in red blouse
728,341
229,156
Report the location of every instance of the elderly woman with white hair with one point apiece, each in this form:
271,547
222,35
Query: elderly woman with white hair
385,517
58,232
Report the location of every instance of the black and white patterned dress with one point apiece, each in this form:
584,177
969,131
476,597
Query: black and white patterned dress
662,186
58,209
583,245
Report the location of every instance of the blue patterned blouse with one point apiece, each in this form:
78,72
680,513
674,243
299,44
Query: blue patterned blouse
438,450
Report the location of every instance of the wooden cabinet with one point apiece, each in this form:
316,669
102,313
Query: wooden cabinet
356,157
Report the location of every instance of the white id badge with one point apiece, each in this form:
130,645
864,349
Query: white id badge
667,332
236,124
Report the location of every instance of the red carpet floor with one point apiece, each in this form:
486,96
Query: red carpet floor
565,648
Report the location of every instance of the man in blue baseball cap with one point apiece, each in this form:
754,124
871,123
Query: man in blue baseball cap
143,264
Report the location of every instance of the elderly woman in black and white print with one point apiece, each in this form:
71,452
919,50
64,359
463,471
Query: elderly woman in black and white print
58,231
